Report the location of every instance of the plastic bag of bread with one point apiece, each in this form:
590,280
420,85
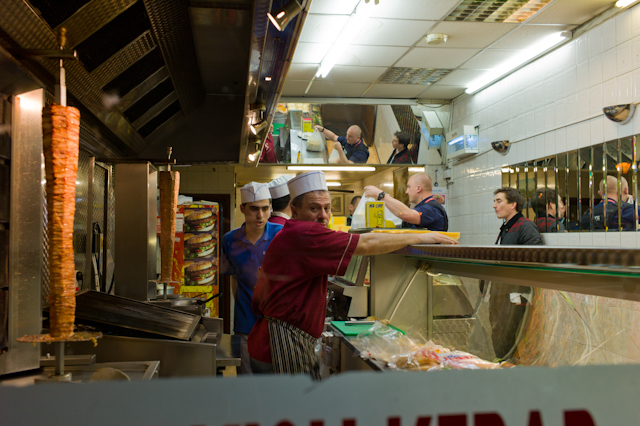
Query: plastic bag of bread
381,342
424,357
459,360
315,141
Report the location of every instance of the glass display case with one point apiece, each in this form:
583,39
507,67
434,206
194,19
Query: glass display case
530,305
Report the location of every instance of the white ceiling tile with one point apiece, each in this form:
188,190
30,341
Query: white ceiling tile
462,77
439,91
469,34
489,59
571,11
413,9
429,57
333,7
310,53
301,71
322,28
395,90
371,56
328,89
294,88
350,74
527,35
392,32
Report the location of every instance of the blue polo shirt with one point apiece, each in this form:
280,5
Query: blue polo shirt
242,258
358,153
431,217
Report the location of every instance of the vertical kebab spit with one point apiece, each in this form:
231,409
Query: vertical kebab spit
61,134
169,183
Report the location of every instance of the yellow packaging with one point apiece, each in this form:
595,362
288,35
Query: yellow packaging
306,124
374,213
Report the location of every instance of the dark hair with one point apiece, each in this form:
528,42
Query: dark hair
403,138
297,202
355,199
543,197
513,196
279,204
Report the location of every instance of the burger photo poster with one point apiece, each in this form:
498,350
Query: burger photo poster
199,272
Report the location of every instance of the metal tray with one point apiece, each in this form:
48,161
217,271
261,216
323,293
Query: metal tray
136,315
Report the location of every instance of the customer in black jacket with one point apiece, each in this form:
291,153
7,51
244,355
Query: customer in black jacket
505,316
516,229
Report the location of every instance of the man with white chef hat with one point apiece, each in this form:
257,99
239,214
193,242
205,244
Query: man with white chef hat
242,253
280,199
290,296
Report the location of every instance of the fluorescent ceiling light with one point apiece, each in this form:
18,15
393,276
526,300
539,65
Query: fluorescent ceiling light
624,3
526,55
334,184
334,168
352,27
416,169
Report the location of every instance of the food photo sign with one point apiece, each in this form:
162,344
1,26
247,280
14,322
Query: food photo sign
195,253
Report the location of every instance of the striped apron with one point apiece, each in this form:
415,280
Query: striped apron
292,350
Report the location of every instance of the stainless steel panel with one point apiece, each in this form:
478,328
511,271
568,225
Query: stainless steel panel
135,229
143,88
155,110
90,18
28,30
453,333
123,59
172,30
177,359
25,246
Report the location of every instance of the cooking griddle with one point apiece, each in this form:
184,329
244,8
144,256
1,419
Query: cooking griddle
136,315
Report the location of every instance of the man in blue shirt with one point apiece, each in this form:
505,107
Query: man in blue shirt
242,253
427,213
351,149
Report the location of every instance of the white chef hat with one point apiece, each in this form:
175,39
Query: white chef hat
307,182
278,187
254,191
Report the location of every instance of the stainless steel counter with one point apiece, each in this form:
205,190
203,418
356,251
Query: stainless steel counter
309,157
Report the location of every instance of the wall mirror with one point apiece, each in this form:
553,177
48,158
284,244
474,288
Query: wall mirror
592,189
291,139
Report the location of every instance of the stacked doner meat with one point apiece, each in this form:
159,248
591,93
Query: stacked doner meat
61,131
169,183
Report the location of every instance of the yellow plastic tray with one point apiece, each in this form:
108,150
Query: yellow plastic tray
454,235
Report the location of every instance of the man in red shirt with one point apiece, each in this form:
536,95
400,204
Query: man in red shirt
280,199
290,296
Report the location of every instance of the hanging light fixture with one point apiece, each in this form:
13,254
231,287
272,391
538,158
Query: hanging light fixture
282,16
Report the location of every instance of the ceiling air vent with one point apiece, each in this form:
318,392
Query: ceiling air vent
508,11
425,76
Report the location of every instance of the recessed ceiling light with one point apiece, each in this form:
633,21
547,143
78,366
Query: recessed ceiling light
334,184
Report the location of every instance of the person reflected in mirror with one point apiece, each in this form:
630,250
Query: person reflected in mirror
400,154
350,148
428,213
609,206
352,208
516,229
269,150
549,207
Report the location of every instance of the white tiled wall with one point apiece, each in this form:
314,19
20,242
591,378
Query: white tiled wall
553,105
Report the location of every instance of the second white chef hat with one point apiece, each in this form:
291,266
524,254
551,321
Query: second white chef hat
307,182
254,191
278,187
